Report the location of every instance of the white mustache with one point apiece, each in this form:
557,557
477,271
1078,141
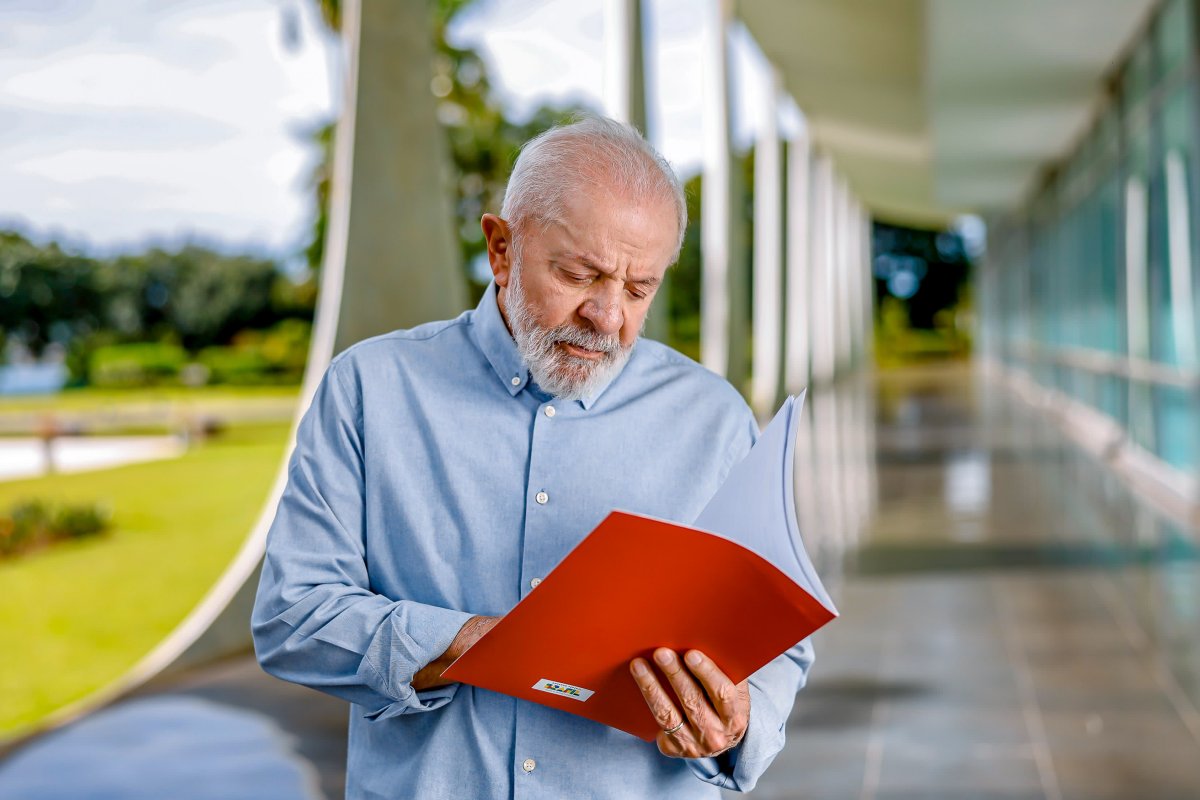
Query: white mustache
569,334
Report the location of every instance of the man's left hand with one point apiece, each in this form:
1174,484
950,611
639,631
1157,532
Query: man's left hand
715,710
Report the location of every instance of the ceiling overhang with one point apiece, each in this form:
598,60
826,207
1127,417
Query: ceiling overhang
936,108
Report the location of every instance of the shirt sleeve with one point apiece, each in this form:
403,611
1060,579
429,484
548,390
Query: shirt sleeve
772,693
316,620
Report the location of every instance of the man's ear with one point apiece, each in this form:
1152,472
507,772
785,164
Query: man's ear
499,245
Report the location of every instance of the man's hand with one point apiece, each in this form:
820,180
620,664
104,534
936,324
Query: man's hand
714,717
471,631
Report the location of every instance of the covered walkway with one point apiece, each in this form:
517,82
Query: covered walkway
1014,625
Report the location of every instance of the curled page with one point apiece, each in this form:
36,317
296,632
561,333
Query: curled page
756,505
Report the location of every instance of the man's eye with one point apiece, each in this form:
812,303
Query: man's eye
579,278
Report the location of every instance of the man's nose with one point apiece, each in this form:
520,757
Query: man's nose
603,310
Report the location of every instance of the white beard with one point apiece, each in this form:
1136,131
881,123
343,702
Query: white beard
557,372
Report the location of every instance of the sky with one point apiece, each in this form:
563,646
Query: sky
553,51
126,122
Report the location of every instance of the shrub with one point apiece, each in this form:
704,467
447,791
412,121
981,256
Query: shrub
274,355
78,521
25,527
135,364
235,365
32,524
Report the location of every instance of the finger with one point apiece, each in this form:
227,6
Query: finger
661,706
670,746
721,691
695,704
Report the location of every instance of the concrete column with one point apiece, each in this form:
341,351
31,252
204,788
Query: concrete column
868,292
822,272
841,278
391,260
768,256
834,268
853,282
625,68
716,195
798,305
625,100
857,283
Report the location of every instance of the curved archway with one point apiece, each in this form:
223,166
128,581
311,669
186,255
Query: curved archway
390,262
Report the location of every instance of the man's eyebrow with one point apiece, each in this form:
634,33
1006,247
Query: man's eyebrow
585,260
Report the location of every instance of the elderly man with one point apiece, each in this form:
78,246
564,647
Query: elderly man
442,470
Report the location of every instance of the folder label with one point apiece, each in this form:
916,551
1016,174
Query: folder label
564,690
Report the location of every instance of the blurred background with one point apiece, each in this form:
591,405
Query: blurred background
968,227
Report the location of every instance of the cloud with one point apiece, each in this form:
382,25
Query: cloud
141,119
27,130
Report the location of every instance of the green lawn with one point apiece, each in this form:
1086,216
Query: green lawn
76,616
86,398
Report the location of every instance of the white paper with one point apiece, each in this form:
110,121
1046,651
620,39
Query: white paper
756,506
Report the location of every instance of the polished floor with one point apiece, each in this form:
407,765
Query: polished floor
1013,625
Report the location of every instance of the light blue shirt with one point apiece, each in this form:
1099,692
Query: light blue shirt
431,481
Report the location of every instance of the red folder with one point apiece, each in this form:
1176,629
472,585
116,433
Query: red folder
636,583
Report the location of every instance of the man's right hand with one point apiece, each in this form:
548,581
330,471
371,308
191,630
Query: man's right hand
430,675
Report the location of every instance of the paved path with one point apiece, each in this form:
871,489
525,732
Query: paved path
1012,626
26,456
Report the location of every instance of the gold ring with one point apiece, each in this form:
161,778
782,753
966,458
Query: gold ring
669,731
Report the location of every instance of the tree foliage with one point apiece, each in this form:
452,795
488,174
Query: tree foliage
193,297
46,294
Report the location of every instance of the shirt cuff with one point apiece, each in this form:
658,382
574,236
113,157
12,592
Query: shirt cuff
739,769
763,740
414,635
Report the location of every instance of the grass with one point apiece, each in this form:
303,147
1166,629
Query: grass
148,410
87,398
76,616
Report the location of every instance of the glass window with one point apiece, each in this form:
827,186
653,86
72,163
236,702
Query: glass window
1110,259
1109,332
1178,324
1137,143
1136,80
1173,27
1108,130
1175,415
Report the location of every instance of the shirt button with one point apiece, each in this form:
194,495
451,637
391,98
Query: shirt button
516,381
542,498
528,765
549,411
533,584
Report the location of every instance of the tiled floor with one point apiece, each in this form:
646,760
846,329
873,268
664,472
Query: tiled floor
1012,625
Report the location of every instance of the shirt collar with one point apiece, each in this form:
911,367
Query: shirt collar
494,339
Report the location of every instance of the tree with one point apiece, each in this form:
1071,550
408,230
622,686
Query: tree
46,294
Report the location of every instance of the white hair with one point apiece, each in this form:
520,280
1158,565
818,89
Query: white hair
589,150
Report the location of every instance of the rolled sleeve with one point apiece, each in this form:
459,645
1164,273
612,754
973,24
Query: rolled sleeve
316,620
